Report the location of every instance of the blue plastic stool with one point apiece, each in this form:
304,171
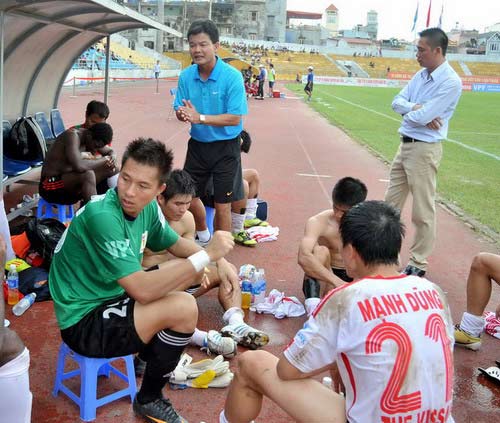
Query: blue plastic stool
45,209
210,214
89,369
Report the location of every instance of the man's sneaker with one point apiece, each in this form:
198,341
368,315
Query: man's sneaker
220,345
414,271
246,335
242,238
158,411
463,339
249,223
139,365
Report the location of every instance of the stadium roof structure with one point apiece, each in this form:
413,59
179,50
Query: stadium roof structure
295,14
40,40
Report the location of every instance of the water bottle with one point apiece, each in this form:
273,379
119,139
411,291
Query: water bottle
13,284
260,287
246,294
24,304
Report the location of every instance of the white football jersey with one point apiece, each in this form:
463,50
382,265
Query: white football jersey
392,339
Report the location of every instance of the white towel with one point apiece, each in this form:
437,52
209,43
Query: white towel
491,324
264,233
280,306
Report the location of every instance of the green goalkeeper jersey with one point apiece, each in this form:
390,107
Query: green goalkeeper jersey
102,245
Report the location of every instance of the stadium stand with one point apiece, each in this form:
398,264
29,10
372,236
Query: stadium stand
182,57
484,68
381,64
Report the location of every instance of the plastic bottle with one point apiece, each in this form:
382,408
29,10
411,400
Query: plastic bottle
327,381
260,287
13,284
24,304
246,294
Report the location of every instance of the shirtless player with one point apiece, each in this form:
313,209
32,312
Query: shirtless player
174,203
67,176
319,251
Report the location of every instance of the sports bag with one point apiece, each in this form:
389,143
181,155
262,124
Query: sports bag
26,141
44,234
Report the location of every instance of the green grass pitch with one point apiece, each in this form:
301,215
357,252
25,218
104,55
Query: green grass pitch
468,177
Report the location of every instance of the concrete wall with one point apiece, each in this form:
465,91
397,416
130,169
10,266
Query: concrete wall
275,26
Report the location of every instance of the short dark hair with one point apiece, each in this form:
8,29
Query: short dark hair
205,26
179,183
150,152
375,230
436,37
97,108
246,141
101,133
349,192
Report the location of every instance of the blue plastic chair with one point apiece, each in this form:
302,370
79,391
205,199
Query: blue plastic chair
89,369
56,122
42,121
14,168
63,213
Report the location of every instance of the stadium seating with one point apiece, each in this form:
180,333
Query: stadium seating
484,68
182,57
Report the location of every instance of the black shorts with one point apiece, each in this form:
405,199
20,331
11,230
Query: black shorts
309,87
342,274
106,331
221,161
53,190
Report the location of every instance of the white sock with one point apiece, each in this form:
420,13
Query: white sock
222,417
234,316
311,304
237,222
472,324
5,232
203,236
113,180
199,338
251,208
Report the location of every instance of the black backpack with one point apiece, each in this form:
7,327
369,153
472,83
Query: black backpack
26,141
43,235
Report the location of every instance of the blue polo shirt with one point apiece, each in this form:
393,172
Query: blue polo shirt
223,92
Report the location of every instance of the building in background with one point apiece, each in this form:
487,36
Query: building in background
248,19
332,20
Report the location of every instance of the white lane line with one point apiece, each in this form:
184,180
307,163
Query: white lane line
468,147
383,180
314,175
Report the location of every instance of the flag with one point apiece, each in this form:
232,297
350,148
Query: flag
429,14
415,19
440,23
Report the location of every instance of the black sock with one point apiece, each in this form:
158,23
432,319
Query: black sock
310,287
162,355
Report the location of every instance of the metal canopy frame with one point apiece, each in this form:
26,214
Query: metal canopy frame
41,39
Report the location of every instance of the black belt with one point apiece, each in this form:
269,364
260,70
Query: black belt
409,139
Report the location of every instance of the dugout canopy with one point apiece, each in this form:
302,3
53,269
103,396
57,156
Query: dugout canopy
41,39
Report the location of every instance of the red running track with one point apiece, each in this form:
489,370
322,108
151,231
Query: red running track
299,156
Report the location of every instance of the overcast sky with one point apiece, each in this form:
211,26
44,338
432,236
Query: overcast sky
395,17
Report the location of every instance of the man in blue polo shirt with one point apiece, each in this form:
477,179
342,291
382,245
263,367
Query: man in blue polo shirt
211,96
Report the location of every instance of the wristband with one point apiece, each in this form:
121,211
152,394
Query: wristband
199,260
